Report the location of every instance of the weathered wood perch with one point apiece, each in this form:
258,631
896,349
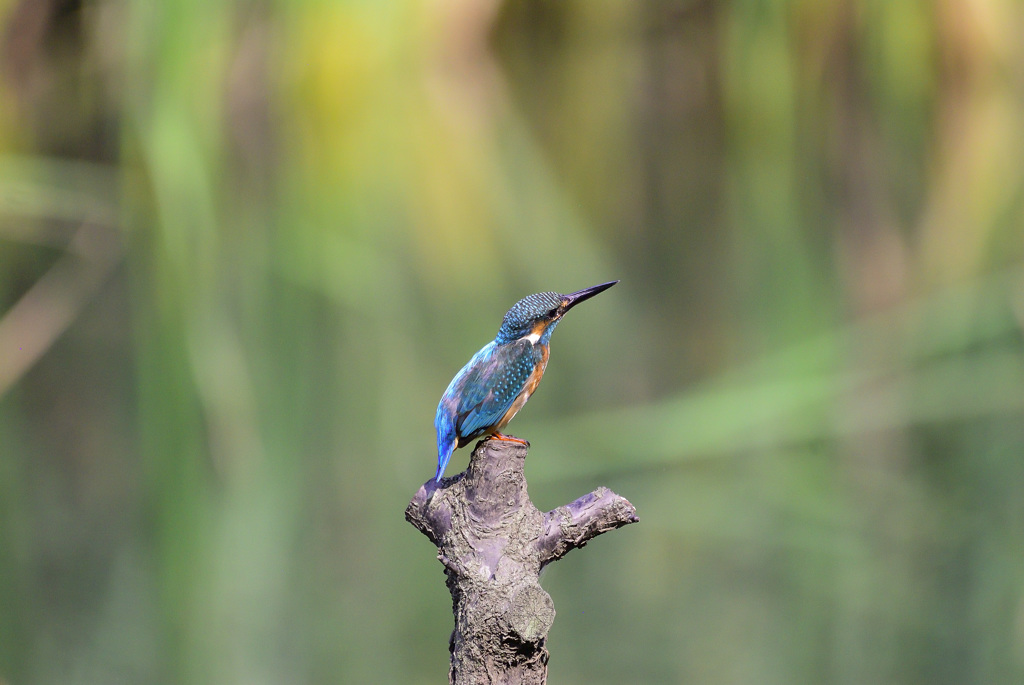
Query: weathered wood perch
493,543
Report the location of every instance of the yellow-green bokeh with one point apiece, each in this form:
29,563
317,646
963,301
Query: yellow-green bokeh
244,246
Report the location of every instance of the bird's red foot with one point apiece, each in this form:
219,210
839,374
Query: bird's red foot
508,438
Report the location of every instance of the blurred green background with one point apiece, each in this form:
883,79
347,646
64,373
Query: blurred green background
244,246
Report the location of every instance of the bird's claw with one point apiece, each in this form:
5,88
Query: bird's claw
508,438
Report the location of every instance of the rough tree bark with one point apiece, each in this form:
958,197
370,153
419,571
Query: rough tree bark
493,543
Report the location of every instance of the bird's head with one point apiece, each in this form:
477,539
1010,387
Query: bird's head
537,315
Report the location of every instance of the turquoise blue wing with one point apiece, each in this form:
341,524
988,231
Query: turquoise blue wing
492,385
482,393
467,389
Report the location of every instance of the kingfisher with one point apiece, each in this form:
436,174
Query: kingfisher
495,384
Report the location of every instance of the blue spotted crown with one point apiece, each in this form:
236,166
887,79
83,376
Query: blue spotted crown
520,318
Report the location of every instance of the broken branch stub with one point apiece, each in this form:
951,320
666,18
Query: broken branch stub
493,543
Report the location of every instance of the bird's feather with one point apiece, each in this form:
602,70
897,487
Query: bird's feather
492,387
482,393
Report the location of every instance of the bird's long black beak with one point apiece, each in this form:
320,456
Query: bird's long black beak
575,298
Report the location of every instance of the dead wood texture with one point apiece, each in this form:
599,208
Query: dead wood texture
493,543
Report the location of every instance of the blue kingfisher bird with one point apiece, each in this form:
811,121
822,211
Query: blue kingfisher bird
499,379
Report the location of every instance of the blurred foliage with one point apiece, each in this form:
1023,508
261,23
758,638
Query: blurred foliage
245,245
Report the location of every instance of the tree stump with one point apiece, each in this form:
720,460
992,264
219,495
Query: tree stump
493,543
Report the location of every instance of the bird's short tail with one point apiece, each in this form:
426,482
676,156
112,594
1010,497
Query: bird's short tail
446,441
443,455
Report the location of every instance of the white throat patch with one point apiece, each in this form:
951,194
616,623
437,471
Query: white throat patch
532,337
